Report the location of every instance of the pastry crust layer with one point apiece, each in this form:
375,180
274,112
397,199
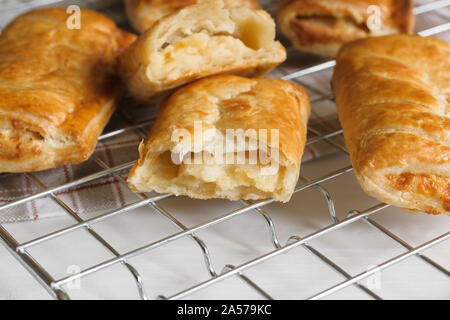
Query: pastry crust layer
323,26
144,13
222,103
392,95
198,41
58,87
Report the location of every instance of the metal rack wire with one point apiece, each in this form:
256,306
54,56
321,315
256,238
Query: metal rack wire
56,286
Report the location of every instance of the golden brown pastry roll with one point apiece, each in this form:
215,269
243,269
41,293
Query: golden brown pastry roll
392,94
144,13
323,26
199,41
226,137
58,87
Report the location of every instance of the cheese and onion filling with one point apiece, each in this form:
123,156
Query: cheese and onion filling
215,178
190,50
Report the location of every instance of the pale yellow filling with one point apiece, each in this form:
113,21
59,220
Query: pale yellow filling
228,177
217,179
195,53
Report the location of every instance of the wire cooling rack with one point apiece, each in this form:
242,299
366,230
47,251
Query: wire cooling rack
56,286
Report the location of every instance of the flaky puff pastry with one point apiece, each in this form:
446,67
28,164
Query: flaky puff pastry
275,111
58,87
199,41
323,26
392,94
144,13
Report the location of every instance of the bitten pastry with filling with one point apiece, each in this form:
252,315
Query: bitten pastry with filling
199,41
144,13
226,137
323,26
58,87
394,109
